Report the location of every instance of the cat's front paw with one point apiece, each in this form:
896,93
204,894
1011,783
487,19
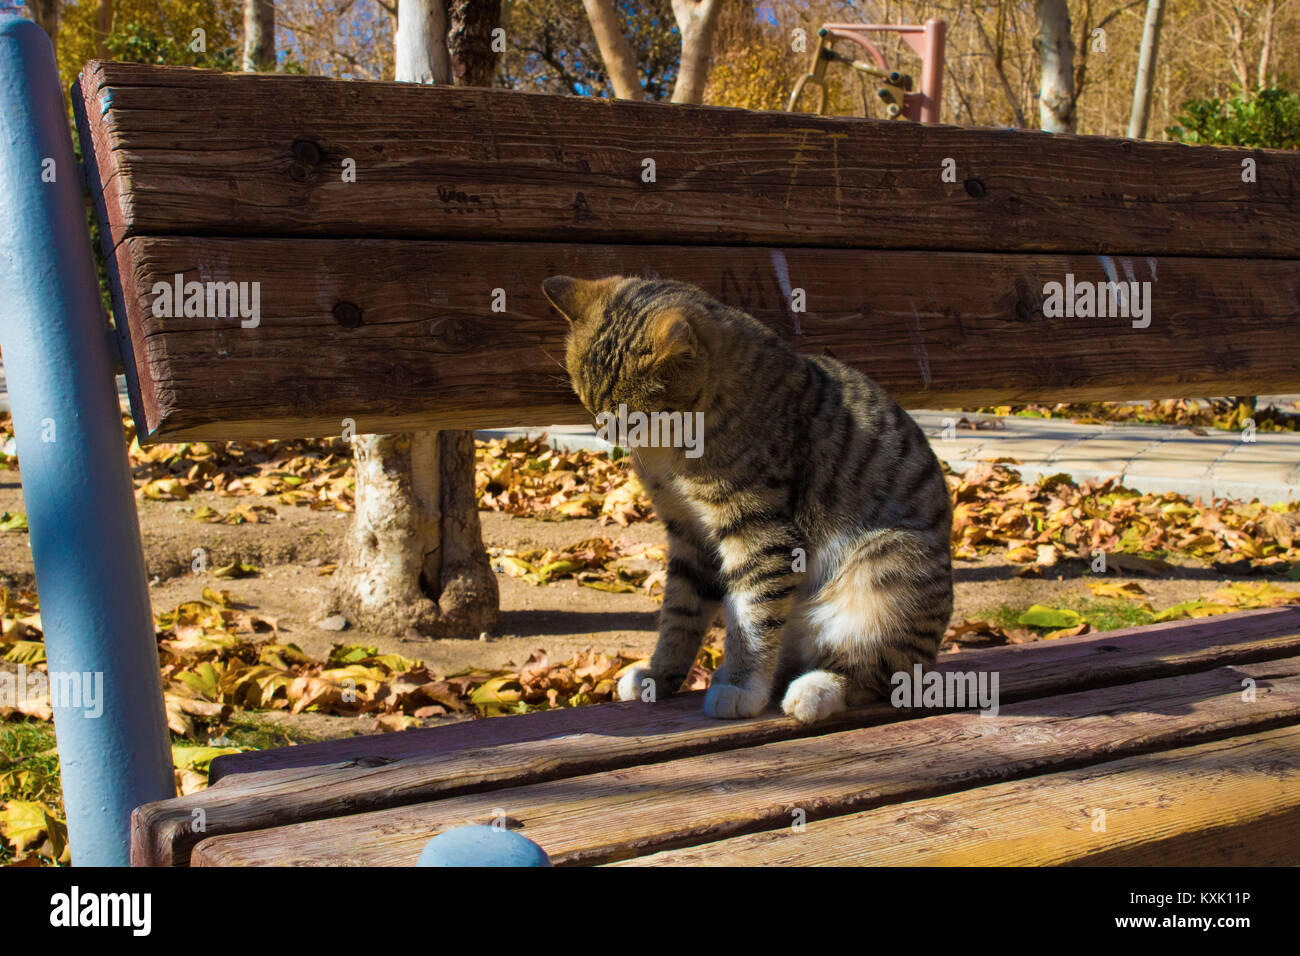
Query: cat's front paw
638,683
730,701
814,696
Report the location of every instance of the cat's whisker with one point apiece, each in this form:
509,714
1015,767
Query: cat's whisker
555,360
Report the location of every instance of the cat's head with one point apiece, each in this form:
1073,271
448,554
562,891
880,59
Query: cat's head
635,342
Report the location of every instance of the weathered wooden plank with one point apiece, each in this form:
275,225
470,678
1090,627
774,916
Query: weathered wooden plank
1233,802
1124,655
197,152
1028,670
333,778
106,200
936,329
622,813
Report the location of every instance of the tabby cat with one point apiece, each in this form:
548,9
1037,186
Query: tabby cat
813,508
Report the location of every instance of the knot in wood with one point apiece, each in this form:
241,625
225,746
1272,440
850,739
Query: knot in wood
306,157
455,333
974,187
347,315
306,151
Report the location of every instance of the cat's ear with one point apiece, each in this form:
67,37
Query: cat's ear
576,298
672,337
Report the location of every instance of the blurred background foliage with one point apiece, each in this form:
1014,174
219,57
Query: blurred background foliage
1269,120
1225,71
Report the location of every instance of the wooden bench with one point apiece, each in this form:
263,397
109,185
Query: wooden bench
1130,747
399,236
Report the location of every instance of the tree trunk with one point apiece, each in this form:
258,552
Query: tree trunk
414,556
422,42
1146,72
47,14
1266,51
103,27
1235,26
995,54
695,21
615,51
259,36
1056,45
469,41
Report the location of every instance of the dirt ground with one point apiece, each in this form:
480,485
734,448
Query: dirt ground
562,617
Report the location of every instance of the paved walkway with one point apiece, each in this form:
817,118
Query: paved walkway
1154,458
1147,457
1218,464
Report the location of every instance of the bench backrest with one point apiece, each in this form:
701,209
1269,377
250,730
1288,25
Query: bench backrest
397,235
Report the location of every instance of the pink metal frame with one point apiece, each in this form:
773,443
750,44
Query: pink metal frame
927,41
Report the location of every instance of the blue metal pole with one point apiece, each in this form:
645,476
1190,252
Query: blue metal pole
85,535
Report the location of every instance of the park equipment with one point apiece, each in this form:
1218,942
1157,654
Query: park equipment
385,226
894,89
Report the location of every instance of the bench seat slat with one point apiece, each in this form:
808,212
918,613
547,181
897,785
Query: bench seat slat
622,813
1233,802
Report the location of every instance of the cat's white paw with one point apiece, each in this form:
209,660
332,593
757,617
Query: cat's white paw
814,696
728,701
632,686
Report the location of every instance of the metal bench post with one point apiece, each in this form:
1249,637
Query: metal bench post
85,535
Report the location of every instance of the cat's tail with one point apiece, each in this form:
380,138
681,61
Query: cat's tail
884,609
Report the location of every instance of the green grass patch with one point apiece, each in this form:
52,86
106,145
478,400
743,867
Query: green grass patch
1102,614
29,769
29,762
247,731
1111,614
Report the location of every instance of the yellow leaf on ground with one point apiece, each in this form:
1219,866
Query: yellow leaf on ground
1055,617
1192,609
22,824
1116,589
199,758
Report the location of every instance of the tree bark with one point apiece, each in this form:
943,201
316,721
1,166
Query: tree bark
259,36
47,14
1056,88
469,41
615,51
695,21
414,556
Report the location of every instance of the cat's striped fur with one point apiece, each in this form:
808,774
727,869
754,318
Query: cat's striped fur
802,456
